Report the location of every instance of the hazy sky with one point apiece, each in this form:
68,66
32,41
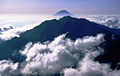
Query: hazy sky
52,6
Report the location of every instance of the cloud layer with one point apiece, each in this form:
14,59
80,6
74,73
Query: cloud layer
8,68
19,24
14,32
110,21
88,67
61,56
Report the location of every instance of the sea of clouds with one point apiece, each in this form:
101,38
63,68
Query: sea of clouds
110,21
14,32
13,25
61,56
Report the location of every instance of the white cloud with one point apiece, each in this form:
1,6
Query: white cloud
107,20
50,58
21,24
7,68
89,67
15,32
60,56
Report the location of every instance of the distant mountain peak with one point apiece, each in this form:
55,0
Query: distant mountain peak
63,13
6,28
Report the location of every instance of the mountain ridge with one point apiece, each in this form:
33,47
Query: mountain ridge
50,29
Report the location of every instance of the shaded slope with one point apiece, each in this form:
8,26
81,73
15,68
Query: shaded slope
112,52
48,30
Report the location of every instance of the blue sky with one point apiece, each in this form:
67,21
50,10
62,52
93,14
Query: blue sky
52,6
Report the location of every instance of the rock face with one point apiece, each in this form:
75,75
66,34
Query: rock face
76,28
63,13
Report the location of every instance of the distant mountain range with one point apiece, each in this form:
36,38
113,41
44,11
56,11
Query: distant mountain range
5,28
76,28
63,13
